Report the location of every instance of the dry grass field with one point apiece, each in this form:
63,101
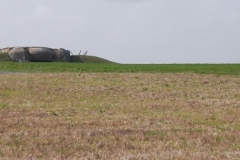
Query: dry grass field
119,116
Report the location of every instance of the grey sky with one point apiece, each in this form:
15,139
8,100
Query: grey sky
128,31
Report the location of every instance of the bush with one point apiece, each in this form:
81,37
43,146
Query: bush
4,57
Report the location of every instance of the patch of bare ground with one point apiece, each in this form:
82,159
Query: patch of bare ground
119,116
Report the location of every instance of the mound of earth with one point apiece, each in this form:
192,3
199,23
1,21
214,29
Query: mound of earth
44,54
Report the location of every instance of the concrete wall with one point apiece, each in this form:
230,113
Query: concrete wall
25,54
18,54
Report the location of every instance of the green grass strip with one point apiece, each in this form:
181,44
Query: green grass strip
223,69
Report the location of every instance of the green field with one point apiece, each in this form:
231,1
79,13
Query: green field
226,69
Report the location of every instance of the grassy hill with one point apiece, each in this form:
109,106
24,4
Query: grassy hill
75,58
88,59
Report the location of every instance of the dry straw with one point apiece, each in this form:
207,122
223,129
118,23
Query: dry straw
119,116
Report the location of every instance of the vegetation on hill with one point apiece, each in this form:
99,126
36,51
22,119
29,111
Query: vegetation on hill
4,57
88,59
74,58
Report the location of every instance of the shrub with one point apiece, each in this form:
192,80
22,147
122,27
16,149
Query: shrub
4,57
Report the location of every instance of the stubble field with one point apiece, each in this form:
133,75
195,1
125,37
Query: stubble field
119,116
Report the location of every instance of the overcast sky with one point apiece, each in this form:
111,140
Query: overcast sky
127,31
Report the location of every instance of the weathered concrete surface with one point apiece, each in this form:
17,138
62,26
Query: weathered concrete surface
5,50
62,55
18,54
41,54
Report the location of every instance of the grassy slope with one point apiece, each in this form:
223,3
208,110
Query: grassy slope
88,59
76,58
227,69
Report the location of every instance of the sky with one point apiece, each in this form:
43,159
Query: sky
127,31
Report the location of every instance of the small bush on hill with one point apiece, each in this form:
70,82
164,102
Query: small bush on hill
4,57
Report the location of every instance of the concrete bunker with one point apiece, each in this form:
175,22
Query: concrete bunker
40,54
62,55
37,54
18,54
